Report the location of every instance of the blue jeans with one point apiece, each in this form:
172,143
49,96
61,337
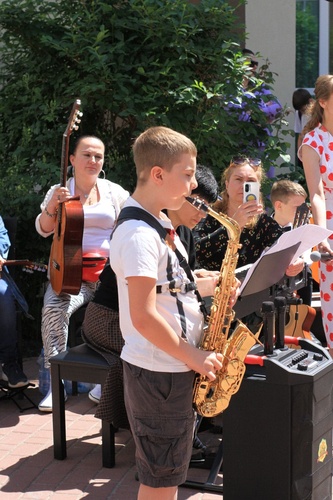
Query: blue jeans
8,333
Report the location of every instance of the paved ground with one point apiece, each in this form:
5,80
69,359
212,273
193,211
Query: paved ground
29,471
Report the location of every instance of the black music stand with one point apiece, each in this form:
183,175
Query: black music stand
268,270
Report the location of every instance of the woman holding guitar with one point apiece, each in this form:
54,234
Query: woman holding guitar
100,202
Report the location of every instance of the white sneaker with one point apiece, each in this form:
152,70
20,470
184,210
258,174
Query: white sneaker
46,403
95,394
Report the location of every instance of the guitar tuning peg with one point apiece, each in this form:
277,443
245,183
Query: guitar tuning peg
80,113
75,127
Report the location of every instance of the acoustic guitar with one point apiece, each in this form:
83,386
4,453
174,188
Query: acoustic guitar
66,250
300,321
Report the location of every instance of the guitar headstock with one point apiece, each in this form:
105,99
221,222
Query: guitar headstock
27,265
31,267
74,119
302,215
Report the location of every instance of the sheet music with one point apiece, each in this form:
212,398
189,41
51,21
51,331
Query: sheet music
302,239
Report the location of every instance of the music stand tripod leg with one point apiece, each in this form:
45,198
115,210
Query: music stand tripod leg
210,484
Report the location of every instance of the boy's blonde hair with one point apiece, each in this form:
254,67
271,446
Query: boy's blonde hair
284,189
159,146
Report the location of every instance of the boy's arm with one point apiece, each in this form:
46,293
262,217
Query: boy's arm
151,325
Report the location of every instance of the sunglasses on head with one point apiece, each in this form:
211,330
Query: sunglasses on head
240,160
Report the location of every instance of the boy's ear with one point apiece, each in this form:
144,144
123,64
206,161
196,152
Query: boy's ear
157,174
278,205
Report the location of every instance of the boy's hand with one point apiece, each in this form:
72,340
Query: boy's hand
234,292
206,363
205,273
208,280
295,267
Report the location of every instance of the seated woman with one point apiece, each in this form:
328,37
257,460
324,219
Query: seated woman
101,202
10,295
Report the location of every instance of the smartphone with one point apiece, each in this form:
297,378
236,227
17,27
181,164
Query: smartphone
251,192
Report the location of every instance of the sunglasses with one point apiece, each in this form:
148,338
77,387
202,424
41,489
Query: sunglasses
254,64
240,160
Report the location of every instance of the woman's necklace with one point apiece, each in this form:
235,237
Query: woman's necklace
88,196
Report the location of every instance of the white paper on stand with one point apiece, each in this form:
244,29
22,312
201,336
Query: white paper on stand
302,239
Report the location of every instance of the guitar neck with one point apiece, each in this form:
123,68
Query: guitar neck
23,262
73,122
64,160
35,266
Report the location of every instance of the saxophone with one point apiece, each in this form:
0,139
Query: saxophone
212,397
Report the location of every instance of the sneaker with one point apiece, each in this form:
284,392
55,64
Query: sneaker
12,374
46,404
95,394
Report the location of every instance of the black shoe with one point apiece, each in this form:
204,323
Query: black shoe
13,375
198,444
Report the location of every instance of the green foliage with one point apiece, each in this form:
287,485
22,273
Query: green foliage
133,64
307,43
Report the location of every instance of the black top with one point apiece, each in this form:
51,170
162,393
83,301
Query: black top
187,239
107,291
211,239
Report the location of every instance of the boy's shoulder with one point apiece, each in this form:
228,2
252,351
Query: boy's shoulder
137,213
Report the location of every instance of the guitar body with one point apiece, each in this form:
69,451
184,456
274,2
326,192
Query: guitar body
66,250
301,318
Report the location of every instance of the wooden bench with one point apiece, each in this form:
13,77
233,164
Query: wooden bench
80,363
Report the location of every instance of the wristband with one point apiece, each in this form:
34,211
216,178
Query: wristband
48,213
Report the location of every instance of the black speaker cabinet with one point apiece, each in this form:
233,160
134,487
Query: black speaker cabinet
277,430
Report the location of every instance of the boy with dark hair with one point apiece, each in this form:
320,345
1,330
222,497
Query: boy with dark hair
161,330
187,217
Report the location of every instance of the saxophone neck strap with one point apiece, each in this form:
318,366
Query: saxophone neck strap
140,214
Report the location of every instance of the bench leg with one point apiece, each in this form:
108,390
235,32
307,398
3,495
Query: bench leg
108,445
58,414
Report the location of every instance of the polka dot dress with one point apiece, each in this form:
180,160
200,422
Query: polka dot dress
321,141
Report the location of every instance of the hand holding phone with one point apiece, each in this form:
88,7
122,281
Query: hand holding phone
251,192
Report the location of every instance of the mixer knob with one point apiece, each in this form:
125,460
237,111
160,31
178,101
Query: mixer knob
302,367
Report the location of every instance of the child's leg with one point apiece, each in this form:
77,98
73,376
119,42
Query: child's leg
148,493
160,413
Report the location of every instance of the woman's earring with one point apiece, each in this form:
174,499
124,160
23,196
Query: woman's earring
103,173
